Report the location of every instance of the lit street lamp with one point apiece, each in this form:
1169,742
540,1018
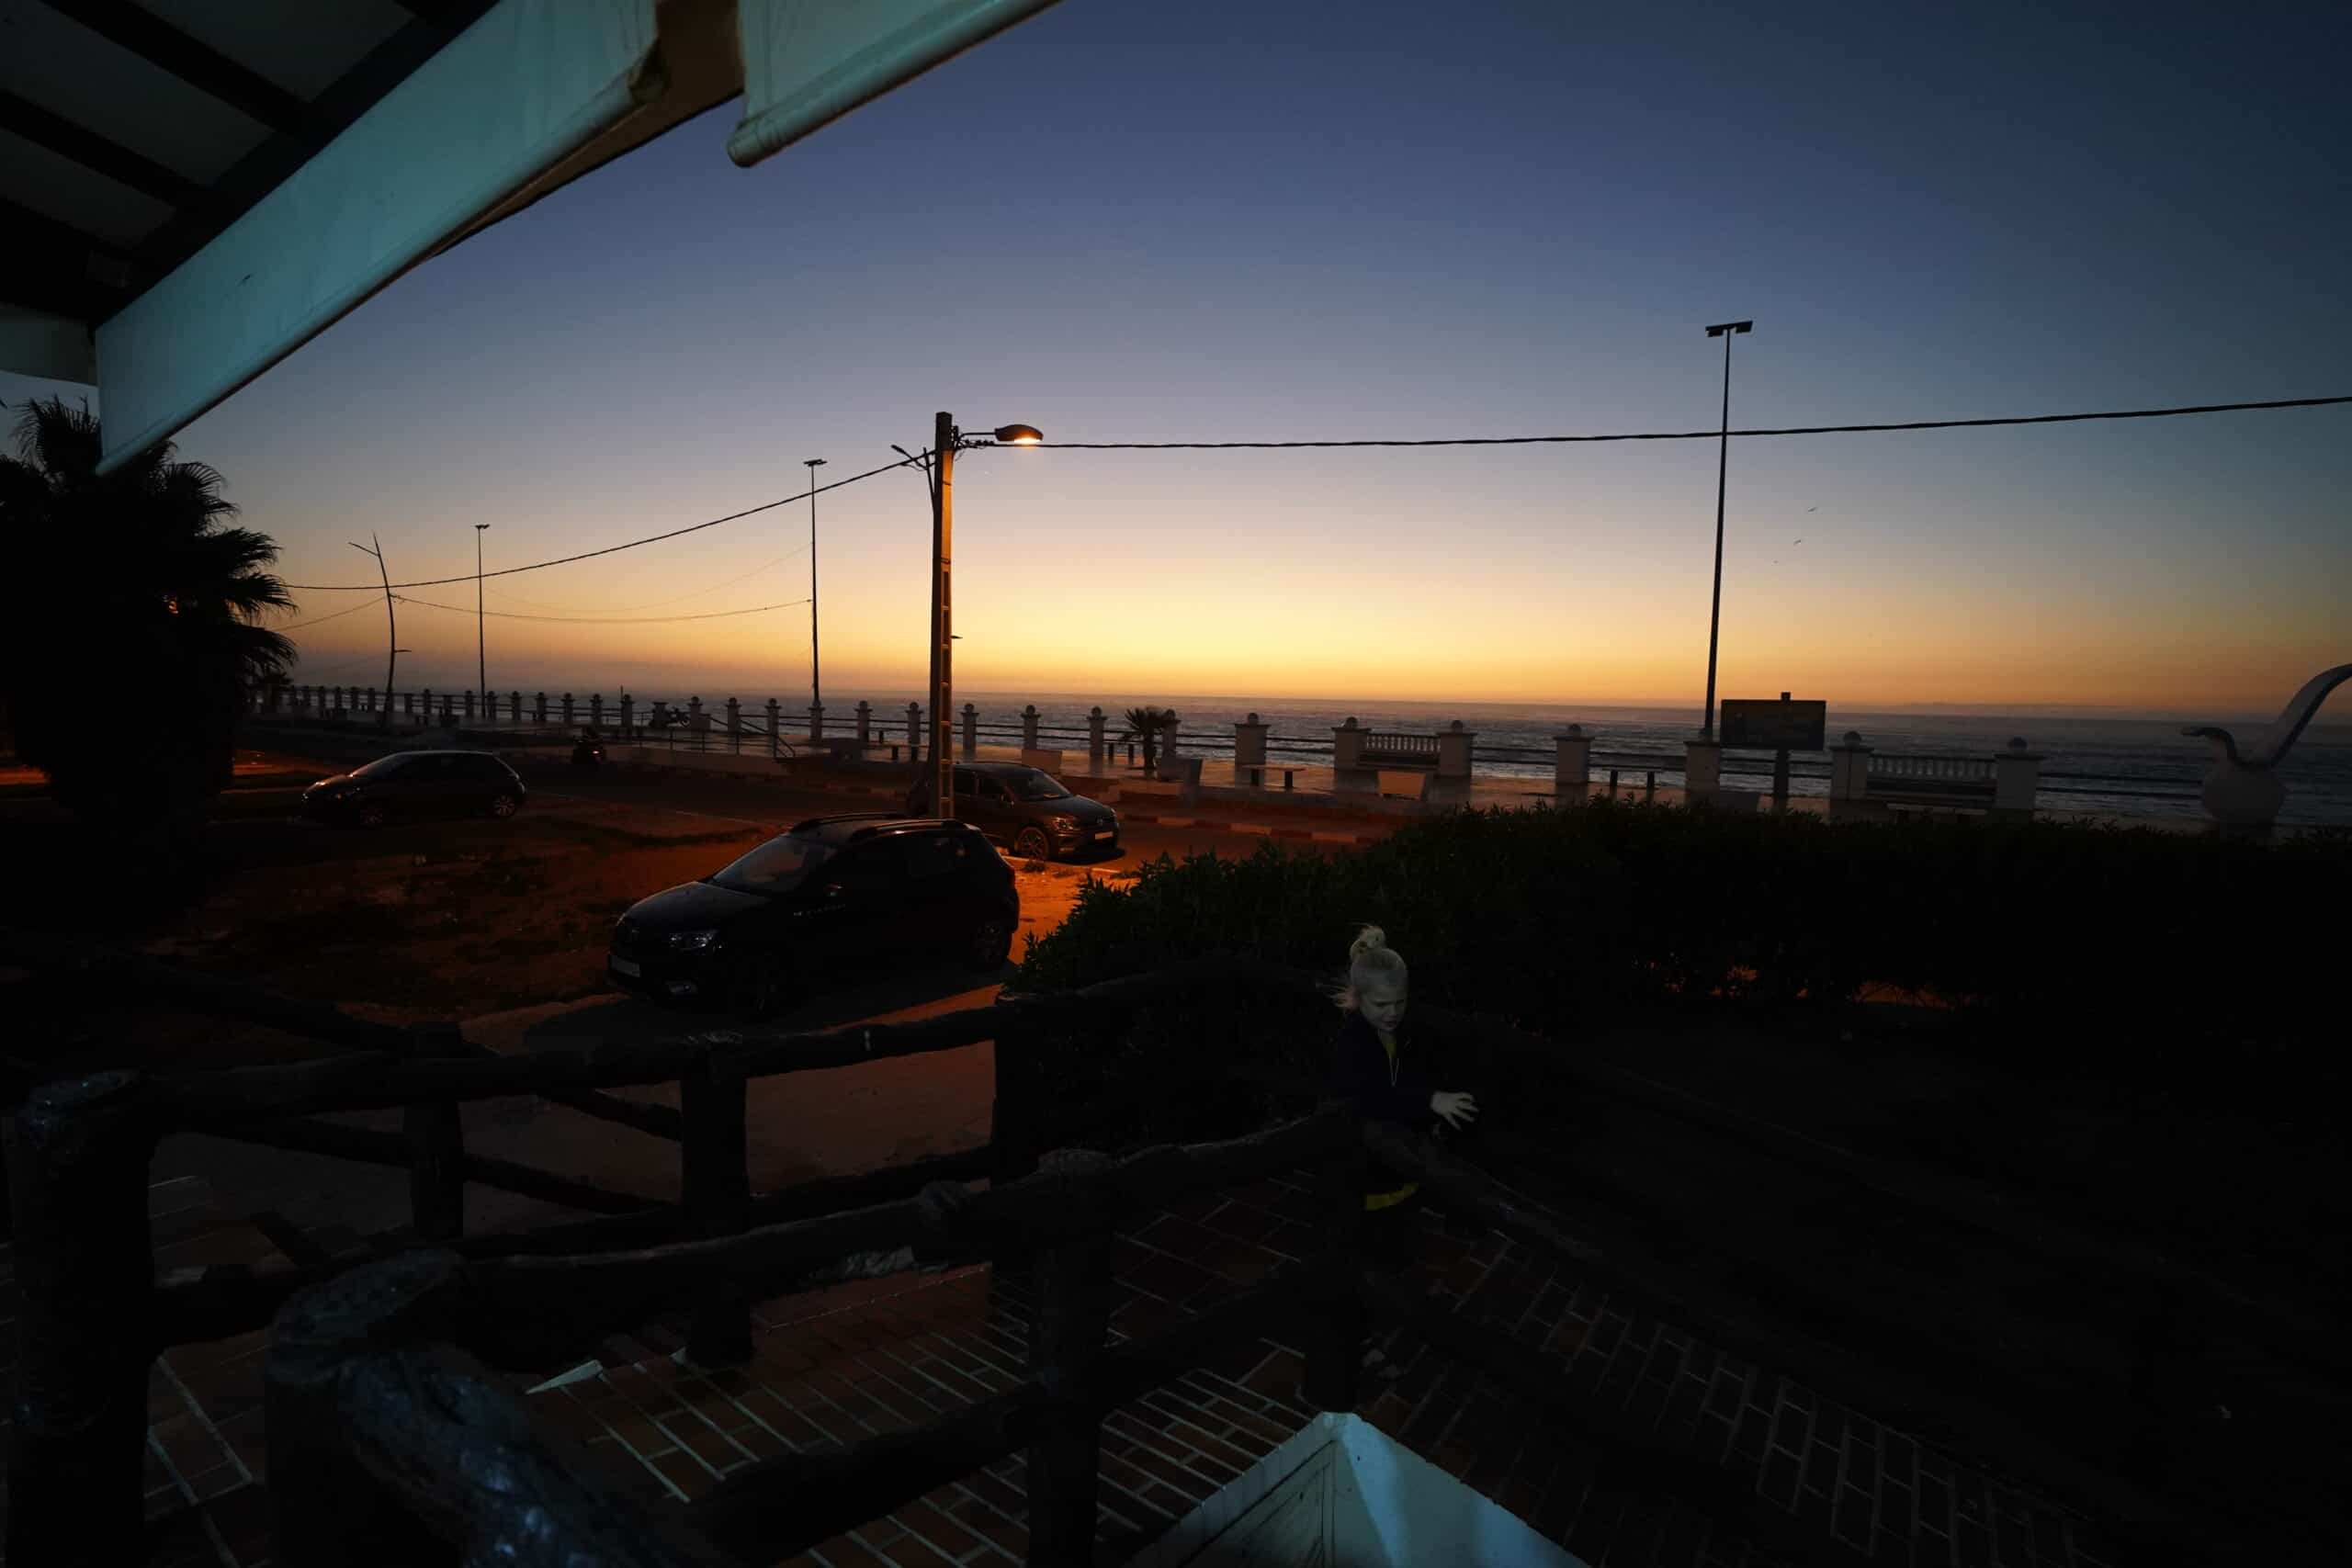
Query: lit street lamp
940,462
1725,331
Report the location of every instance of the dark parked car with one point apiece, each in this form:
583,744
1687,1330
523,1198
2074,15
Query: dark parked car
409,784
1026,809
834,891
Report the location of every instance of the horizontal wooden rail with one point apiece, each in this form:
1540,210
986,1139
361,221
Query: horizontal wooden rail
372,1147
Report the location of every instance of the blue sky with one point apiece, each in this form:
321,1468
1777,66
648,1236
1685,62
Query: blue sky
1137,221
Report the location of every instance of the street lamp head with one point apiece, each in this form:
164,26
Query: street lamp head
1721,327
1018,434
481,527
812,462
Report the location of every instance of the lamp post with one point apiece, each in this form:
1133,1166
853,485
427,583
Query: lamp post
1725,331
391,624
947,441
816,686
481,642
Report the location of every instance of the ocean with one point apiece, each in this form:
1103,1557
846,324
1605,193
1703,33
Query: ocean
2125,766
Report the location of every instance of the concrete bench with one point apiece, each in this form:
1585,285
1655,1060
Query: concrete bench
1254,774
1404,783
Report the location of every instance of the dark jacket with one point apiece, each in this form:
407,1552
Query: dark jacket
1399,1091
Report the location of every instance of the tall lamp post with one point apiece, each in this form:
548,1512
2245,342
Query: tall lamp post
816,686
482,641
940,462
1725,331
391,624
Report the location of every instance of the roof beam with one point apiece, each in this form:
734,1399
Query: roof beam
94,153
200,65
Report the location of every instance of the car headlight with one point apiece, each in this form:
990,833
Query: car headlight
1065,824
693,942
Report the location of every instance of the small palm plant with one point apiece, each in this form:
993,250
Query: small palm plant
1146,724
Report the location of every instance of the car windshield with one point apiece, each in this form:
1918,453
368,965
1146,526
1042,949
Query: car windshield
778,864
1035,785
381,768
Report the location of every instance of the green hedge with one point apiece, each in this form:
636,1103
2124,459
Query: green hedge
1555,919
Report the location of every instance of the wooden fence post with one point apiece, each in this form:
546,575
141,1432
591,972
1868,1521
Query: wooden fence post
1073,1293
1015,1131
436,1173
78,1153
1335,1338
717,1193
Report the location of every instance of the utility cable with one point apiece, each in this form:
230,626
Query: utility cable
657,604
1681,434
321,620
590,555
598,620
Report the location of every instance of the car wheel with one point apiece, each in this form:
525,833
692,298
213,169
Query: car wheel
1031,843
370,815
762,986
991,943
501,806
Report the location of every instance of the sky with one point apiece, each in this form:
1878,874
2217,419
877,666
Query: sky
1126,221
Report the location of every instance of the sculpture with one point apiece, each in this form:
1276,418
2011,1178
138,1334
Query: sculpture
2241,788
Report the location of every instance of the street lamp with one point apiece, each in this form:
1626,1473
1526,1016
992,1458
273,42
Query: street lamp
1725,331
481,645
940,462
392,625
816,687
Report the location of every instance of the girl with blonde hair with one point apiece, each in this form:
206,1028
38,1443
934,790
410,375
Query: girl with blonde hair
1382,1065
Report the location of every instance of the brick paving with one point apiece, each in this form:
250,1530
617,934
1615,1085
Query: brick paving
837,1366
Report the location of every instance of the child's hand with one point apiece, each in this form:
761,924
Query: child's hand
1454,1110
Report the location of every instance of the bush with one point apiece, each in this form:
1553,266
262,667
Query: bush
2151,939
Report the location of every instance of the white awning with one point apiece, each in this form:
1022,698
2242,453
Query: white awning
809,61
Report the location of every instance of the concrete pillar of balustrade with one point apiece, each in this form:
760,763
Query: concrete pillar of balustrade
1096,722
1702,766
514,707
408,704
628,716
1029,727
596,709
695,721
2016,779
816,724
539,707
776,728
734,706
469,705
1850,770
1249,743
1454,751
915,727
971,733
1168,737
1347,746
567,710
1572,766
865,724
448,713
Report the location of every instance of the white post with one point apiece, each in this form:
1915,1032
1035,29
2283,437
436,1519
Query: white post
1454,751
1248,745
1095,745
971,733
1347,747
865,725
914,726
1572,767
816,724
596,710
1029,727
1702,766
2016,779
1850,770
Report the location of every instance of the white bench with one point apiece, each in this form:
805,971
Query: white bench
1256,772
1403,784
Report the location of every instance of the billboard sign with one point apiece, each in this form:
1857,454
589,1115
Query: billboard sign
1756,725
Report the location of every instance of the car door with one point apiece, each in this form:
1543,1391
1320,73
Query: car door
421,787
967,798
937,906
996,810
861,902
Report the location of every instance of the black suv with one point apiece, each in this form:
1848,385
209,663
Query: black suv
1026,809
417,784
834,891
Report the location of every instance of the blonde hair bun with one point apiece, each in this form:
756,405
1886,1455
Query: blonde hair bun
1369,939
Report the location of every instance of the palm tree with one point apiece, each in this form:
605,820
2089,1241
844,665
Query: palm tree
1146,724
131,619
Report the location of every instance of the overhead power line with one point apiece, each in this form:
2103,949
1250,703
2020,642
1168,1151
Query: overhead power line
321,620
674,599
1678,434
590,555
601,620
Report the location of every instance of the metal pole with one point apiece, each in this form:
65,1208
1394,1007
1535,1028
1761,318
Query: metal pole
481,643
391,627
1714,609
943,676
816,686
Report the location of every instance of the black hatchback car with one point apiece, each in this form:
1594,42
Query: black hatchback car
410,785
835,891
1027,810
